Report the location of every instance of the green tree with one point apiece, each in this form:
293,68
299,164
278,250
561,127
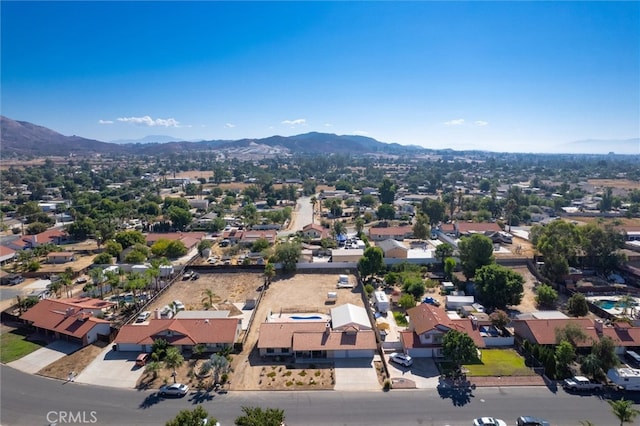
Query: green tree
173,359
407,301
260,245
387,191
565,354
558,242
605,350
499,318
112,247
179,217
269,272
434,209
98,279
129,238
203,245
153,368
195,417
103,258
623,410
414,285
386,212
498,286
546,296
359,224
476,251
572,333
459,348
371,262
449,267
443,251
207,300
287,254
577,305
256,416
421,227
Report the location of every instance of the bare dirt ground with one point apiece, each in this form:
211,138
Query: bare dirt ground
615,183
297,293
528,303
228,288
75,362
617,220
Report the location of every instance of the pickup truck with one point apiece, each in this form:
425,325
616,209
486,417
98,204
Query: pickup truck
581,383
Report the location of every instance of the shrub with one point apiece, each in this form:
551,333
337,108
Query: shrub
271,374
387,385
303,373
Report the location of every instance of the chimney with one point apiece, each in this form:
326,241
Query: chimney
156,313
598,326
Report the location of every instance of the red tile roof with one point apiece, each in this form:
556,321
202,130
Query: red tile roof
543,331
392,230
426,318
181,331
623,334
280,334
5,251
61,317
334,340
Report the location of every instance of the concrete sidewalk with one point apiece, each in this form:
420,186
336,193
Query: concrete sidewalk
39,359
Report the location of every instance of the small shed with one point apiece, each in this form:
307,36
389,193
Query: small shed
448,287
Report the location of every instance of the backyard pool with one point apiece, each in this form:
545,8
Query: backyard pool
312,317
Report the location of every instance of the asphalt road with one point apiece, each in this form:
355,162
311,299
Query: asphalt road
33,400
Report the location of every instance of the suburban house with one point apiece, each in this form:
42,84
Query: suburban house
543,331
50,236
625,336
6,254
346,255
250,237
184,333
315,232
427,325
394,232
60,257
75,319
348,335
393,249
459,229
189,239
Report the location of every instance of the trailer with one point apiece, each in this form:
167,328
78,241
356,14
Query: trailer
625,378
382,301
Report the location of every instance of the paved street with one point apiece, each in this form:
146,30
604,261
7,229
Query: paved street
26,400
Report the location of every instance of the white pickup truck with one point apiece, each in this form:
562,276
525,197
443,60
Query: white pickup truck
581,383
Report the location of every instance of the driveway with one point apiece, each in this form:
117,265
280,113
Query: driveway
112,368
356,375
423,372
39,359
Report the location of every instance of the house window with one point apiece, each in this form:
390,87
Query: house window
270,350
284,350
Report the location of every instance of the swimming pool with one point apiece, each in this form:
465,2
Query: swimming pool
312,317
607,304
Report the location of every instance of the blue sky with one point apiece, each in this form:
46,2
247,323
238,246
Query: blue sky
501,76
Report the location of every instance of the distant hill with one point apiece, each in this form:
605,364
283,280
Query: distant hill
147,139
605,146
21,138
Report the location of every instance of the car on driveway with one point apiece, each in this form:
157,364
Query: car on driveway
143,316
179,306
175,389
402,359
581,383
531,421
488,421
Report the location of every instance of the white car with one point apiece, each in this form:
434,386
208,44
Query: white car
580,383
143,316
402,359
488,421
178,305
175,389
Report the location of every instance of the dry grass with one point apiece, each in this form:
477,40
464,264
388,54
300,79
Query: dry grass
615,183
77,361
297,377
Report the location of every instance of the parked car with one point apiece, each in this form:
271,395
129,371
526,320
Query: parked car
187,275
142,359
431,301
195,276
143,316
81,280
179,306
531,421
402,359
581,383
174,389
488,421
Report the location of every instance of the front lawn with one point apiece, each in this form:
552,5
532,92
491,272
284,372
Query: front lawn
499,362
14,345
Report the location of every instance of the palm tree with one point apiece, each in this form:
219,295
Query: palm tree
269,272
509,209
207,300
313,201
153,367
624,410
626,302
97,276
66,282
172,360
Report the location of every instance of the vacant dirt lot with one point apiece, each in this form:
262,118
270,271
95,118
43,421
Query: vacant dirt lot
228,288
615,183
298,293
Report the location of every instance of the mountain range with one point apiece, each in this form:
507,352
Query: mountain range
21,138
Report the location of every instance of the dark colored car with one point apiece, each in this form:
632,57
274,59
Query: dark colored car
531,421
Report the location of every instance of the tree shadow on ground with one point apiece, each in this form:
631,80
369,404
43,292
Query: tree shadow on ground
201,397
459,391
150,400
